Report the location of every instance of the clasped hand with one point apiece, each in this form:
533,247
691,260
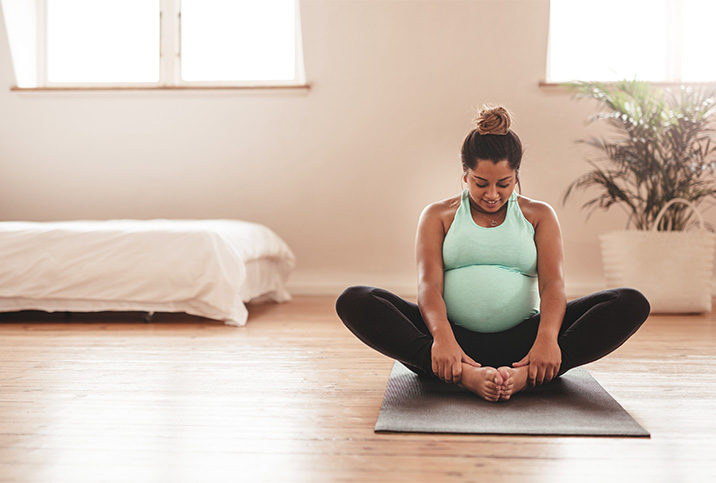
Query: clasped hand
447,359
544,360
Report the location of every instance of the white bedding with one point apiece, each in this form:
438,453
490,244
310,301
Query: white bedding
208,268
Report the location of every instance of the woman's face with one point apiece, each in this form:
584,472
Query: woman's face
490,184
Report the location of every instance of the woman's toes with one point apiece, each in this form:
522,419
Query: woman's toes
505,372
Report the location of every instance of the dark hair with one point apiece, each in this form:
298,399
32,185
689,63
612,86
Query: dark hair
492,139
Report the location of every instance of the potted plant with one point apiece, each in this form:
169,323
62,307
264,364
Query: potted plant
659,166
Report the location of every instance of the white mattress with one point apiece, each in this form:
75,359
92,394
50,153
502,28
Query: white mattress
208,268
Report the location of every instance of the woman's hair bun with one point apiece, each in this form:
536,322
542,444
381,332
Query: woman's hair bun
493,120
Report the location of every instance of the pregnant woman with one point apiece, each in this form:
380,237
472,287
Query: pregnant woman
492,314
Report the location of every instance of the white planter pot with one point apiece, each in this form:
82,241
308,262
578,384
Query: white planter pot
673,269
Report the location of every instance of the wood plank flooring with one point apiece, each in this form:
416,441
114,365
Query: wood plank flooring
293,396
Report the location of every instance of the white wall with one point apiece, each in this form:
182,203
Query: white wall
341,171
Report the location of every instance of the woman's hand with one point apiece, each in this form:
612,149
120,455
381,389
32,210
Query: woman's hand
544,360
448,356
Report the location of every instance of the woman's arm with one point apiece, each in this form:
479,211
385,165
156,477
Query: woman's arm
447,355
545,357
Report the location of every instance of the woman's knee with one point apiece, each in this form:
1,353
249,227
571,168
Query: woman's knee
635,303
358,303
352,297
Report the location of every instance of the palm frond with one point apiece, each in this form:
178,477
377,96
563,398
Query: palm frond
662,147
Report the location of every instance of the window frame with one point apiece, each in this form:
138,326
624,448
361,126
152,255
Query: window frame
169,18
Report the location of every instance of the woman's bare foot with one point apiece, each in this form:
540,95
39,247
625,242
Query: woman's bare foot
486,382
515,380
508,383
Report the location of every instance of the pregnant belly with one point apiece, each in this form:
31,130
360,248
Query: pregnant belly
489,298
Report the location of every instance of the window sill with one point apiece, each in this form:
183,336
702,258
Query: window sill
161,88
560,85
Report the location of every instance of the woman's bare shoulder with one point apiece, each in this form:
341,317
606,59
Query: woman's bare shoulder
535,210
442,211
442,208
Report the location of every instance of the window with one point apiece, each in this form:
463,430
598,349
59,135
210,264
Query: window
652,40
87,42
154,43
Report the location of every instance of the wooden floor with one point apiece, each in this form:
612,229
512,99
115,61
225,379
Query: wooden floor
294,397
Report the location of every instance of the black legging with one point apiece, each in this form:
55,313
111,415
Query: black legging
593,326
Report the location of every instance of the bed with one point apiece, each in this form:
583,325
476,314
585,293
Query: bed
209,268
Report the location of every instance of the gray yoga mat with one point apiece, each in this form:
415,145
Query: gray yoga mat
573,405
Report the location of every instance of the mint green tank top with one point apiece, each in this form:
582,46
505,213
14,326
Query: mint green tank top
490,274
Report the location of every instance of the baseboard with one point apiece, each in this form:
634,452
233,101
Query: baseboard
333,284
325,284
